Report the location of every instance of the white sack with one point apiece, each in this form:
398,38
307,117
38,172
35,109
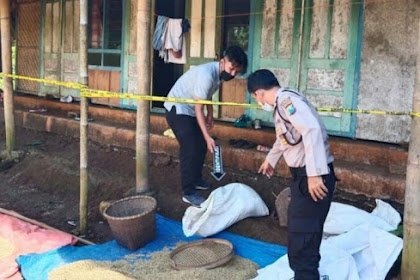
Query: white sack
365,253
336,263
224,207
387,213
342,218
374,250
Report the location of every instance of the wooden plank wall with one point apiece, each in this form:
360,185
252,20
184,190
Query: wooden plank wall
233,91
105,80
28,44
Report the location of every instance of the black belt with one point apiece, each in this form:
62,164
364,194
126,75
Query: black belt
301,171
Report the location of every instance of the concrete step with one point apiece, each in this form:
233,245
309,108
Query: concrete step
391,157
361,178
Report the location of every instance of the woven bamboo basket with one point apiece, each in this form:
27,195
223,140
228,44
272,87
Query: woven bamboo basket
132,220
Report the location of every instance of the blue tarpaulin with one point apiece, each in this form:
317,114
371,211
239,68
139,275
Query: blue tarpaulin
169,233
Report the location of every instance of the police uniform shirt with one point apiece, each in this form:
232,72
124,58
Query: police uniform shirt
198,83
301,136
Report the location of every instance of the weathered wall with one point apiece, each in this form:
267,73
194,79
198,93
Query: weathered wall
388,69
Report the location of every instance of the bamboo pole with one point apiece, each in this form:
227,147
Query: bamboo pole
411,252
143,86
34,222
83,118
6,56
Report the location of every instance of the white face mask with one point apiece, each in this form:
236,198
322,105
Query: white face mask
267,107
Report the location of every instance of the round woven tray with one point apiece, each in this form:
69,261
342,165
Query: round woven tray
206,253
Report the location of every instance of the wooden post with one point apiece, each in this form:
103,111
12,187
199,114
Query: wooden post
411,252
6,56
143,87
83,118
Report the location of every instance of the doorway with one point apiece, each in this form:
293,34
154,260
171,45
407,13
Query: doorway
166,74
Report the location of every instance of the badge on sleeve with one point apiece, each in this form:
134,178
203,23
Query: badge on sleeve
288,106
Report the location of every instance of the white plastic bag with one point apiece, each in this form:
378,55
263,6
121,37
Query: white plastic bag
336,263
342,217
387,213
374,250
224,207
365,253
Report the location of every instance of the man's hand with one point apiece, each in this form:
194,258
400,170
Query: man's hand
209,121
316,188
266,169
211,145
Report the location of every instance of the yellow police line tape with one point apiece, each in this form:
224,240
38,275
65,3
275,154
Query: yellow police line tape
85,92
109,94
45,81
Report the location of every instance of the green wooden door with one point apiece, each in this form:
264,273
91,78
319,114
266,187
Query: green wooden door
276,43
330,60
322,63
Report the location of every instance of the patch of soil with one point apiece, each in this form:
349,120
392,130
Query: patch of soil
44,186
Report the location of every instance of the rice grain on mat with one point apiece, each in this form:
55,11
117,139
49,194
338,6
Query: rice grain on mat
6,248
157,267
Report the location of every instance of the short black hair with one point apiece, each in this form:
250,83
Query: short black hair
238,57
262,79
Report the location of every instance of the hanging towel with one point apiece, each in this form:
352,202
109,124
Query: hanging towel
174,40
173,35
159,30
179,60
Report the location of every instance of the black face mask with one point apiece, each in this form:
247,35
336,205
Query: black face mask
225,76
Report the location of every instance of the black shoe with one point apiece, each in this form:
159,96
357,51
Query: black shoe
202,185
194,199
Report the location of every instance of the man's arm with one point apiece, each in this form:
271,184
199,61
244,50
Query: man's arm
267,168
275,153
209,118
199,113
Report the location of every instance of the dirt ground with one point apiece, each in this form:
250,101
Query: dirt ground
44,186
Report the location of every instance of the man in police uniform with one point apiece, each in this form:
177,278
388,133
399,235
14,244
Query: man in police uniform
302,139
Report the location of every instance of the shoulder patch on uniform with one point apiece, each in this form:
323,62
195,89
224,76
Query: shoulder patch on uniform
287,104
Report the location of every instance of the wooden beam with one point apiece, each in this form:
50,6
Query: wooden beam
411,253
83,70
143,88
6,49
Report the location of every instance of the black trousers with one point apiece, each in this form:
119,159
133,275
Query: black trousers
192,150
306,223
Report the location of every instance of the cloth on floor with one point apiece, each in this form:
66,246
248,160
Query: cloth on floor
169,133
26,238
243,121
243,144
169,233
